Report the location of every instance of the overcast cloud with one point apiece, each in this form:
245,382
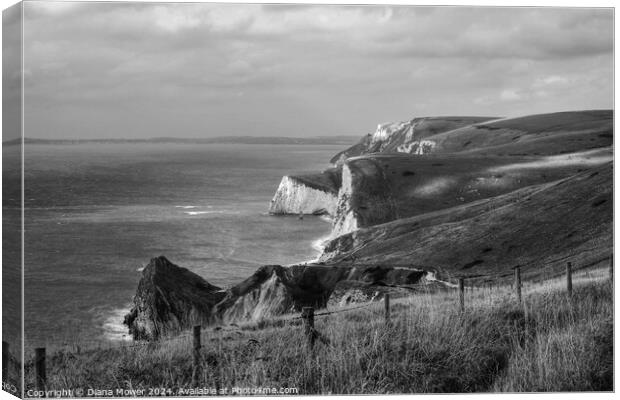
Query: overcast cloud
197,70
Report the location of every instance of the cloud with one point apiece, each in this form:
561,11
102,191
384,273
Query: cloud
509,95
11,72
551,80
326,69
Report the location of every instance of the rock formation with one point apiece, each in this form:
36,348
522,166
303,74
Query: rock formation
307,194
170,298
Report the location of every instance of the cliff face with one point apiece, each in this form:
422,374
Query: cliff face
170,298
365,197
307,194
294,197
345,219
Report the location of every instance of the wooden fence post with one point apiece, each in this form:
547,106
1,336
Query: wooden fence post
5,361
569,278
462,294
197,346
611,267
307,314
39,365
387,308
518,282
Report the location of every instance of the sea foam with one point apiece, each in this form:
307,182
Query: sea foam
113,328
203,212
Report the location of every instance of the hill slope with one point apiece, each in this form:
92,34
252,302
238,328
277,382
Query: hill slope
385,187
541,134
537,225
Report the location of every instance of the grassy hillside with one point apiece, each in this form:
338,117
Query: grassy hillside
472,162
327,181
547,344
541,134
387,187
541,224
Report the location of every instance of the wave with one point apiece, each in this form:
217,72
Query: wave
113,328
189,207
327,218
203,212
319,244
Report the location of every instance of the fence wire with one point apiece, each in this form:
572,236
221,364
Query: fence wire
95,344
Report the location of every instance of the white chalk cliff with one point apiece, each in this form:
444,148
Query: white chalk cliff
294,196
345,220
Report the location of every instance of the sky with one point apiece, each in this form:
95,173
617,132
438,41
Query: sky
139,70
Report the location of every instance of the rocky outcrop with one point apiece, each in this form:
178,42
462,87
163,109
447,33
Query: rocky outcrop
266,293
274,290
372,283
294,197
307,194
168,299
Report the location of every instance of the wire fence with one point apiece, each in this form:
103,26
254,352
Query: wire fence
307,317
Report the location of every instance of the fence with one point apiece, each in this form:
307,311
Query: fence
307,317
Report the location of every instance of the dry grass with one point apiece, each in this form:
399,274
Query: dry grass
547,344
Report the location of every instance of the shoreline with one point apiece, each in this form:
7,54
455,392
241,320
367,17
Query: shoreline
114,330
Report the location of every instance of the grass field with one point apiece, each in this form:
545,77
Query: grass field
547,344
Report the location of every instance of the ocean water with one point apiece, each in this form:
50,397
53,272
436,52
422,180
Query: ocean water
96,214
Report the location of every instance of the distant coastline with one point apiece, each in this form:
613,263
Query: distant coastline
317,140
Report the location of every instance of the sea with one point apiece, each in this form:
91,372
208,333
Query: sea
95,214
